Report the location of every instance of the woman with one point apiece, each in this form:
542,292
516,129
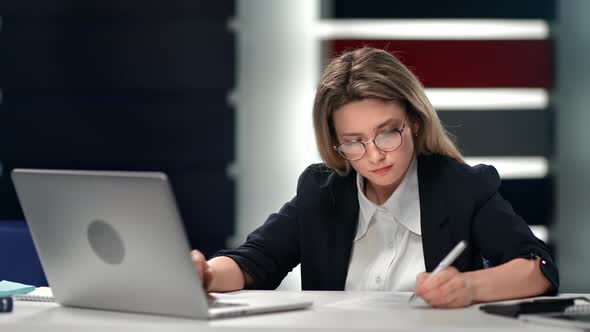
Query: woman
391,199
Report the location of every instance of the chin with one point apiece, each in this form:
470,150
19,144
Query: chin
383,181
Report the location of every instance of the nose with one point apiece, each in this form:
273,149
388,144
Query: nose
373,153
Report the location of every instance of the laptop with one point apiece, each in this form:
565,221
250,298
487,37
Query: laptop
116,241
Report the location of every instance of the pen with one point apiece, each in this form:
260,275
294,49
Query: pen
447,261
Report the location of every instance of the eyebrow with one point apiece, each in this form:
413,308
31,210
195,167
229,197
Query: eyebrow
385,123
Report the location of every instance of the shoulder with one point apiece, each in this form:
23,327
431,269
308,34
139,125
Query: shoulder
319,185
479,181
319,176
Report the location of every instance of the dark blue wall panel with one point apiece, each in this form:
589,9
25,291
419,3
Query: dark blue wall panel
122,9
123,85
184,54
144,126
525,9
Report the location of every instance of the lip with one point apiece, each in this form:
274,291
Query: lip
382,170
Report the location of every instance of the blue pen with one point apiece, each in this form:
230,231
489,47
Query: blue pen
446,262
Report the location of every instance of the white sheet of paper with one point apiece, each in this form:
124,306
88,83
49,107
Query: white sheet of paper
378,300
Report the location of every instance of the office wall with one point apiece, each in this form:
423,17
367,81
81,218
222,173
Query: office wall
573,153
125,85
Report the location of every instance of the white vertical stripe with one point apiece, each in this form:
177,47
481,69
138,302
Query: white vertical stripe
274,98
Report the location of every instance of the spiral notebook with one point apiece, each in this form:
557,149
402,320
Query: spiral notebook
40,294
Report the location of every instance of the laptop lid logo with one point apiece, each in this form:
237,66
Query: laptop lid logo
106,242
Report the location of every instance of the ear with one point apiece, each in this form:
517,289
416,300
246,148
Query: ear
415,127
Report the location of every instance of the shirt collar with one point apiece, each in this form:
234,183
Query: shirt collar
403,204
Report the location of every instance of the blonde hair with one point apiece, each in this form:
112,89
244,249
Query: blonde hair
373,73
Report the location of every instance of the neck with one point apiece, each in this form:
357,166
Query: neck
379,194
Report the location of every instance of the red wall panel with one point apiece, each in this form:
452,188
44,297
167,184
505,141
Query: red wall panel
468,63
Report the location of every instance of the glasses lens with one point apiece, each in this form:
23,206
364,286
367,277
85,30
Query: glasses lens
388,140
352,150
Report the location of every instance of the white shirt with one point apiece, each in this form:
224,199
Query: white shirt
387,251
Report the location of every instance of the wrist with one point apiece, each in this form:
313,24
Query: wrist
476,286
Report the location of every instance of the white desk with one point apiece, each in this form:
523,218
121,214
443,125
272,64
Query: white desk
336,310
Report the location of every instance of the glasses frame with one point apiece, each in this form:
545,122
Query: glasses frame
364,143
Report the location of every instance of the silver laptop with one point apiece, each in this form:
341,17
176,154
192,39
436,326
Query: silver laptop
115,241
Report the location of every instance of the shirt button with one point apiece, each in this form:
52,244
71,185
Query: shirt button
378,279
390,244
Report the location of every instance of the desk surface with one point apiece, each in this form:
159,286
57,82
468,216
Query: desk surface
360,311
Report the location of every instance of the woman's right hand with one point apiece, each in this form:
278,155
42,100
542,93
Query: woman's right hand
203,269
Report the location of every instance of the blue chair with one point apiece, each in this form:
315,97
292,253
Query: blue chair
19,261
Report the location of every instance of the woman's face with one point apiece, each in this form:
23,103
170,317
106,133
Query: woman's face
365,119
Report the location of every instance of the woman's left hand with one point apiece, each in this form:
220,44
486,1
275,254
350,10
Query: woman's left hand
447,289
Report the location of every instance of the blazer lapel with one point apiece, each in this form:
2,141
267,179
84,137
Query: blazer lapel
436,238
346,208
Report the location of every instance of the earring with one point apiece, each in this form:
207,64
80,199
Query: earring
416,133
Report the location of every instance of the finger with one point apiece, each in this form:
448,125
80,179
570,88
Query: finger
458,302
454,294
198,262
445,293
451,292
420,279
459,299
197,256
433,297
463,295
207,278
438,280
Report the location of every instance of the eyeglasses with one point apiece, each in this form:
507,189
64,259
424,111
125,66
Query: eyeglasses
386,141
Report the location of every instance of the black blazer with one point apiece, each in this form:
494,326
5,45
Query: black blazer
317,227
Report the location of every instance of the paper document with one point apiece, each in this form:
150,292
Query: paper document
374,300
